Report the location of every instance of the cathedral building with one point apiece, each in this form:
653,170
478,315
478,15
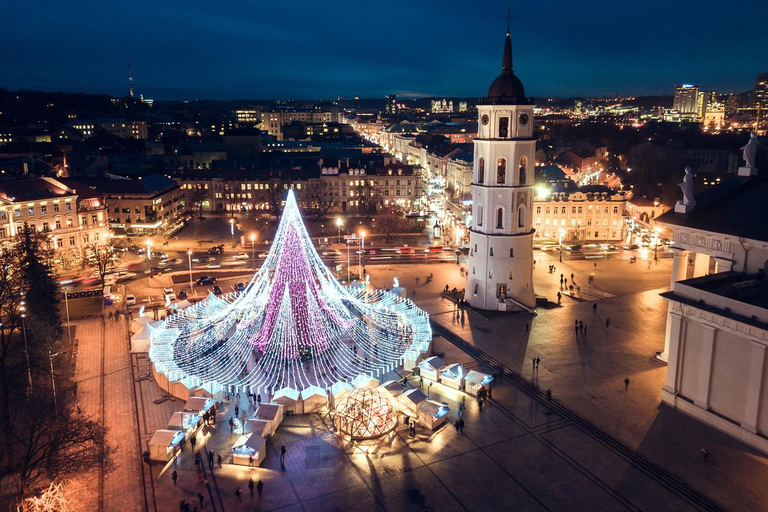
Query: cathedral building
501,236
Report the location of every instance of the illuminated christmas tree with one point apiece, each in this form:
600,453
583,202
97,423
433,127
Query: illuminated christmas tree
294,325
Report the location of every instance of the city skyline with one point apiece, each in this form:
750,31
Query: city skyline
260,52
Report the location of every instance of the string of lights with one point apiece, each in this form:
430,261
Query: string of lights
294,325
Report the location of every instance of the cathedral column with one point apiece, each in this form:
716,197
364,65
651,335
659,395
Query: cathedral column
723,265
701,265
705,370
679,266
673,339
754,387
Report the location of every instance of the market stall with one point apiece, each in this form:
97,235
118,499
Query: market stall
270,412
140,341
140,322
452,375
337,392
290,399
393,387
185,421
430,368
164,444
209,390
249,449
199,404
313,399
432,415
475,380
261,428
411,400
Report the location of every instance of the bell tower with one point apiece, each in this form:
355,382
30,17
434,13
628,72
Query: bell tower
501,237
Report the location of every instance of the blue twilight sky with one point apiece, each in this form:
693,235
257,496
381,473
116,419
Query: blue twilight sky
232,49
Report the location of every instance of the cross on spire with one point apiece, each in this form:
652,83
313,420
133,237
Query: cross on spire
509,17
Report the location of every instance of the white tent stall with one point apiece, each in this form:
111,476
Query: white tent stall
140,341
249,449
164,444
140,322
313,399
261,428
430,368
209,390
432,415
289,398
199,404
452,375
475,380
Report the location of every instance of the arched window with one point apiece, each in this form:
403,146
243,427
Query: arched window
481,170
500,218
501,171
521,173
480,215
521,216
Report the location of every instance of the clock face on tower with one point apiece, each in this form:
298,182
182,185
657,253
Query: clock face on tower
523,119
484,119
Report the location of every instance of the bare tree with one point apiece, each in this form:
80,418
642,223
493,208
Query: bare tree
102,259
197,197
390,224
317,196
273,194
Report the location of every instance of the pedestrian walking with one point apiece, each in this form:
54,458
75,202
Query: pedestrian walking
549,393
570,287
594,307
571,277
237,411
533,362
210,459
607,323
259,487
282,454
238,494
201,498
197,460
231,425
626,384
538,360
576,329
258,399
594,265
558,298
250,486
527,328
219,460
581,326
174,477
250,461
585,329
193,442
480,403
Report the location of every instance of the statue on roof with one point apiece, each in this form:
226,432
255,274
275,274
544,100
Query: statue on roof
687,187
750,150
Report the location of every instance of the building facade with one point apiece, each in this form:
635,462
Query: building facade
501,236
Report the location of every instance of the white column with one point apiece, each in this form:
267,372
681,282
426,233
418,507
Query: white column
723,265
705,366
701,265
674,341
679,266
754,387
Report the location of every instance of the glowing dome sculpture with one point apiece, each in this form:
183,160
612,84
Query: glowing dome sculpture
366,413
294,325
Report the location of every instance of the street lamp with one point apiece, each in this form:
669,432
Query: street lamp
189,260
339,222
23,309
232,230
253,251
656,244
53,381
362,252
562,233
149,256
348,244
66,305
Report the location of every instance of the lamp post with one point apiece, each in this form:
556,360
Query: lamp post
189,260
149,256
656,244
339,222
562,232
53,381
253,251
232,230
348,276
362,252
66,306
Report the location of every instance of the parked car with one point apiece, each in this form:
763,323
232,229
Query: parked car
182,294
216,249
216,290
239,287
169,294
263,255
205,280
240,256
130,299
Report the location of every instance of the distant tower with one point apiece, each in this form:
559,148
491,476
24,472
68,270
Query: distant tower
130,80
501,236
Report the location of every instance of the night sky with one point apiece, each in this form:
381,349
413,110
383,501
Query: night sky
261,49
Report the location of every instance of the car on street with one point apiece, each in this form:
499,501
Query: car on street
216,249
239,287
182,294
405,250
205,280
240,256
434,248
169,294
331,252
216,290
130,299
631,247
163,256
263,255
172,261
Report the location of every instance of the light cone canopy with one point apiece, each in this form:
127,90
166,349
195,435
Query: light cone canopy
294,325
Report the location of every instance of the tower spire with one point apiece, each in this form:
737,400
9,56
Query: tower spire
130,79
509,17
